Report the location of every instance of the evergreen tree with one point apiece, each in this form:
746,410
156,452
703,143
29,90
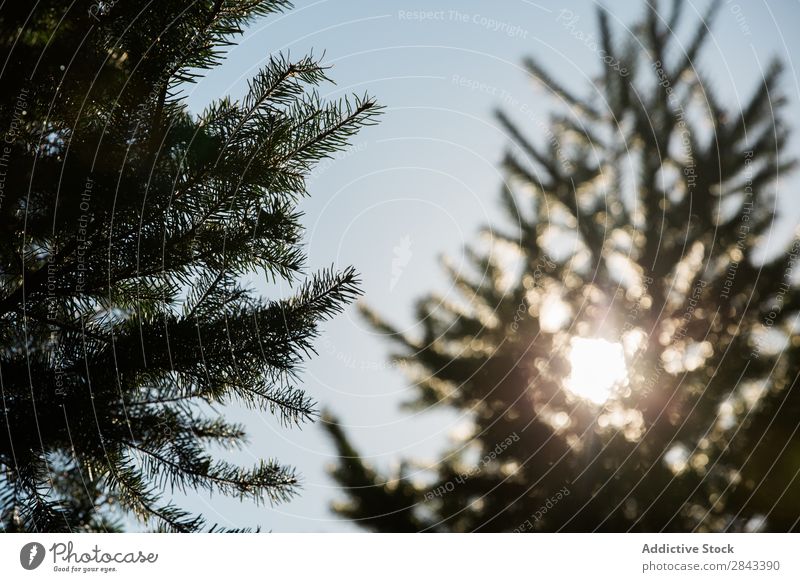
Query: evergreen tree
662,194
128,226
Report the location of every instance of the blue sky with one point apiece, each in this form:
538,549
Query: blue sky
419,185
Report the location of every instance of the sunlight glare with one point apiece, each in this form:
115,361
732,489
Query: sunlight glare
597,367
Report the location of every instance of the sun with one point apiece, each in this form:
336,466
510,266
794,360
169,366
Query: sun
598,366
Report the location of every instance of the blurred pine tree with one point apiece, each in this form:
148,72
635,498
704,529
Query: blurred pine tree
640,376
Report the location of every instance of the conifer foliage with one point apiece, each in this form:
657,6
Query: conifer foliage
639,222
128,226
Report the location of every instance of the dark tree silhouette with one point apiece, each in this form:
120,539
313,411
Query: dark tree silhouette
636,218
128,225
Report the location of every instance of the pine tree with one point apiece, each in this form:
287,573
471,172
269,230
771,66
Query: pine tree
666,193
128,227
